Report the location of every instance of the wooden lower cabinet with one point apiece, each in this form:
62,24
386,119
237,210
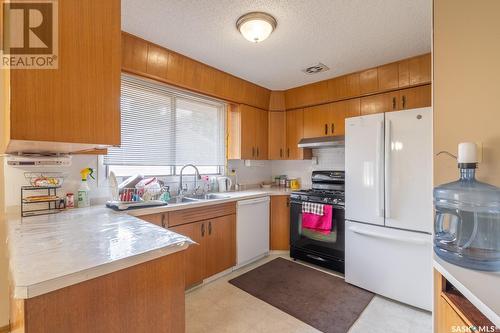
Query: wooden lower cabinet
158,219
280,223
220,244
148,297
215,250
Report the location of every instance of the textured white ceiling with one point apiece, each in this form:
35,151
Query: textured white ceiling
345,35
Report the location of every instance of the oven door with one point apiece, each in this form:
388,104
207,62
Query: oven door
331,244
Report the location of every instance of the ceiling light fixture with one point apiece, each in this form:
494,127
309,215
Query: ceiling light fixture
256,26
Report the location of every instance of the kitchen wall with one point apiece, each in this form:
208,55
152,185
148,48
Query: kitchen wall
466,67
14,179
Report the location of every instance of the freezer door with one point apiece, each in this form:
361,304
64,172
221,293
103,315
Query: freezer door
390,262
364,169
408,169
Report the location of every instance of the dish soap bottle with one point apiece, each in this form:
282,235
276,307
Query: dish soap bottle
84,190
467,219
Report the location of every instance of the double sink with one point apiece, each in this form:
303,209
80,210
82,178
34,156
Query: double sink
198,197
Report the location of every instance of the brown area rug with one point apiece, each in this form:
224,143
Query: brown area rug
321,300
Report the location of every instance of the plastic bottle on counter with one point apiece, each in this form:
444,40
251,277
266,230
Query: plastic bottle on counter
84,190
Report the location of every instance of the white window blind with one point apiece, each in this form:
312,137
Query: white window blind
166,127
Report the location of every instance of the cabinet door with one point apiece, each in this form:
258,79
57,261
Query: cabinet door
336,121
447,317
280,223
277,135
158,219
195,254
294,132
353,107
261,134
220,244
247,132
388,76
316,121
79,102
373,104
368,81
417,97
419,69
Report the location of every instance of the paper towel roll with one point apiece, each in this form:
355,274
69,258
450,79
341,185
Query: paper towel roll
467,152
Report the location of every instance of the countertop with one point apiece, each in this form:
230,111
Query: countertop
232,196
50,252
481,288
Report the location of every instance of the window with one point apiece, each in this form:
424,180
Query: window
163,129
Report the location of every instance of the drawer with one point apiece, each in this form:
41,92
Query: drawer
190,215
393,263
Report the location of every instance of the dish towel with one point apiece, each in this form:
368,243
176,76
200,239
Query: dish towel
313,208
320,223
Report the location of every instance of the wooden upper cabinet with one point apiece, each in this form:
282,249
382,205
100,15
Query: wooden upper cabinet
277,135
167,66
76,106
417,97
316,120
277,101
379,103
352,85
248,133
388,76
415,71
368,81
352,107
134,53
294,133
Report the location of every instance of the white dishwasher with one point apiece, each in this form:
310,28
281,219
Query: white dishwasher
252,230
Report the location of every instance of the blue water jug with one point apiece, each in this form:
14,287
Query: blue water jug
467,222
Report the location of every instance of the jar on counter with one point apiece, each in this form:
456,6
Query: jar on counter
287,183
70,200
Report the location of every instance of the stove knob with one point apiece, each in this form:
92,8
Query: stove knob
325,199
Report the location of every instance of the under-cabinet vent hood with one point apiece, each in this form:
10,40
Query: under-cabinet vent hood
322,142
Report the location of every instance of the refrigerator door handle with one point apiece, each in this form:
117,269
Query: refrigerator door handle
388,143
411,240
380,169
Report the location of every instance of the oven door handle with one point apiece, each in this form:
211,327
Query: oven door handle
410,240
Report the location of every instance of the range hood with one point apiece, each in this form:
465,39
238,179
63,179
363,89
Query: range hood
323,142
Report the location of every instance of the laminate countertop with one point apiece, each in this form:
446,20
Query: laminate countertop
50,252
481,288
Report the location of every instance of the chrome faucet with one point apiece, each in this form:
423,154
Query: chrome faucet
196,177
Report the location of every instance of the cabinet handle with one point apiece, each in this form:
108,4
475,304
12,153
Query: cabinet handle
333,128
203,230
404,101
281,152
326,129
394,103
210,227
163,220
288,202
257,151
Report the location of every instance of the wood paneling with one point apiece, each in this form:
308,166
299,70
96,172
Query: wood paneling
79,101
368,81
148,297
277,135
220,244
280,222
195,255
173,68
184,216
405,73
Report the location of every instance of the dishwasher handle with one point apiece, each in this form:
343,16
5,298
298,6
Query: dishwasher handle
252,201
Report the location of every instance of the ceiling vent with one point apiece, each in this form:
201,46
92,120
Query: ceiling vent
318,68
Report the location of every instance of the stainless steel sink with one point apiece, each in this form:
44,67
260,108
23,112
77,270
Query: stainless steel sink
209,196
178,200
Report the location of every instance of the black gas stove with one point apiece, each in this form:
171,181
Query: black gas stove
325,249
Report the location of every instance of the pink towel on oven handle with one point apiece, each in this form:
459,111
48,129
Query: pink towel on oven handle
321,223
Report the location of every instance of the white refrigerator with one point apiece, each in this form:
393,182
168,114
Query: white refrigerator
388,201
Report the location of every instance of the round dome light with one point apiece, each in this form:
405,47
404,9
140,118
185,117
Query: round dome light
256,26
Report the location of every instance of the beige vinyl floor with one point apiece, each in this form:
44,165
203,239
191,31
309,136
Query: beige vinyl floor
219,307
